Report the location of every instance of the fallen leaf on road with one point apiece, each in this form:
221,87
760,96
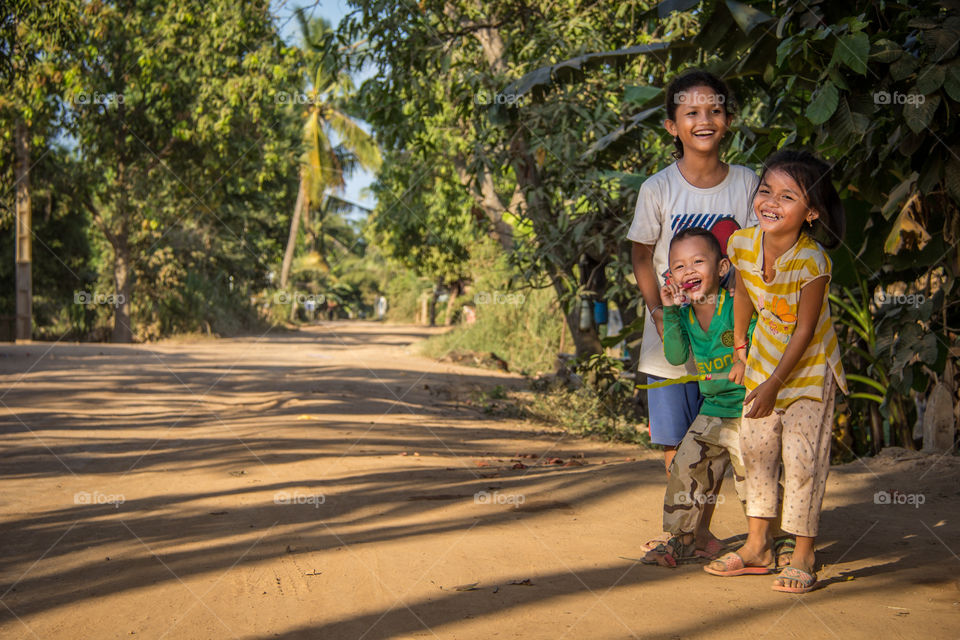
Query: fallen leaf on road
304,416
466,587
523,583
574,463
519,465
483,463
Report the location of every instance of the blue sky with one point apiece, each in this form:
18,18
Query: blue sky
334,11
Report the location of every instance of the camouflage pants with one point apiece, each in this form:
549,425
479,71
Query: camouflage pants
711,445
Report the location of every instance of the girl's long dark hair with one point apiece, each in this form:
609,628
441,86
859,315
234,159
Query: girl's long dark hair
813,175
687,81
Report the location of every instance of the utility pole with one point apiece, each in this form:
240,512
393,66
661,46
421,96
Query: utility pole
24,252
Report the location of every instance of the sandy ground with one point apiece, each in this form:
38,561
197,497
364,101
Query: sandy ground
332,484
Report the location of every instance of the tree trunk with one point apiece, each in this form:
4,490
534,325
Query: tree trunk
586,342
455,291
24,248
528,179
876,429
488,200
432,307
122,331
292,238
628,313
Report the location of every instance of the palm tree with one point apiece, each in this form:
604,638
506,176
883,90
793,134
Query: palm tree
324,164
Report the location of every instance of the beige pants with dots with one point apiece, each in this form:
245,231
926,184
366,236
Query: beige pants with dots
799,437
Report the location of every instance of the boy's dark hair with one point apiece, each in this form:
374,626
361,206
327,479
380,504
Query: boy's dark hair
698,232
687,81
813,176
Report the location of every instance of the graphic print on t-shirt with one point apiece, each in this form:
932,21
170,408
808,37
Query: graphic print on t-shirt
720,224
779,316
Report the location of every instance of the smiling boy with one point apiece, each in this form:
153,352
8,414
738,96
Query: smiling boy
698,317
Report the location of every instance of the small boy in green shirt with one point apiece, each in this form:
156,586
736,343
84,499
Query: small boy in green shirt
703,325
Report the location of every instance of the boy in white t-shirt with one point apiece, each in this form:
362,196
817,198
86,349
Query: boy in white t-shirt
698,190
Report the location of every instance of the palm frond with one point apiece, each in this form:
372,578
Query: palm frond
322,167
354,138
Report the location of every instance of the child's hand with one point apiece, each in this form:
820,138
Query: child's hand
736,373
672,295
764,400
742,354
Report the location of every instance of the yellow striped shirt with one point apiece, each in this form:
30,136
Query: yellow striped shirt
777,305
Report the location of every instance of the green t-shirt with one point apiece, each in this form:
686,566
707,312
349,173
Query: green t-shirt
712,351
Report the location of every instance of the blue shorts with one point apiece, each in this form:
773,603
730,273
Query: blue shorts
672,410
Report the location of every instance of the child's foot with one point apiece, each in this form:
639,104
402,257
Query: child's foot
784,549
795,580
677,549
746,560
709,548
799,576
653,543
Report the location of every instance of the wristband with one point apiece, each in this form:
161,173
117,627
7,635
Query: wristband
655,309
743,346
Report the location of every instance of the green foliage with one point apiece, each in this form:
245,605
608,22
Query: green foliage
518,324
183,154
457,142
585,413
422,220
403,289
63,254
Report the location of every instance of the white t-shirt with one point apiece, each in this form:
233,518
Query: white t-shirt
667,203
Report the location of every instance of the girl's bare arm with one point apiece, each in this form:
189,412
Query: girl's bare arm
642,258
742,312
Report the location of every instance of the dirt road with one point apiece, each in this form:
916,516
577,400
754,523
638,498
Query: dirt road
332,484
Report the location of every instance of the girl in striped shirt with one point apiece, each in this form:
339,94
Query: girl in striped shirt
791,367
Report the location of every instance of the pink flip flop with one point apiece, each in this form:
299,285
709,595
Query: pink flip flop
733,565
